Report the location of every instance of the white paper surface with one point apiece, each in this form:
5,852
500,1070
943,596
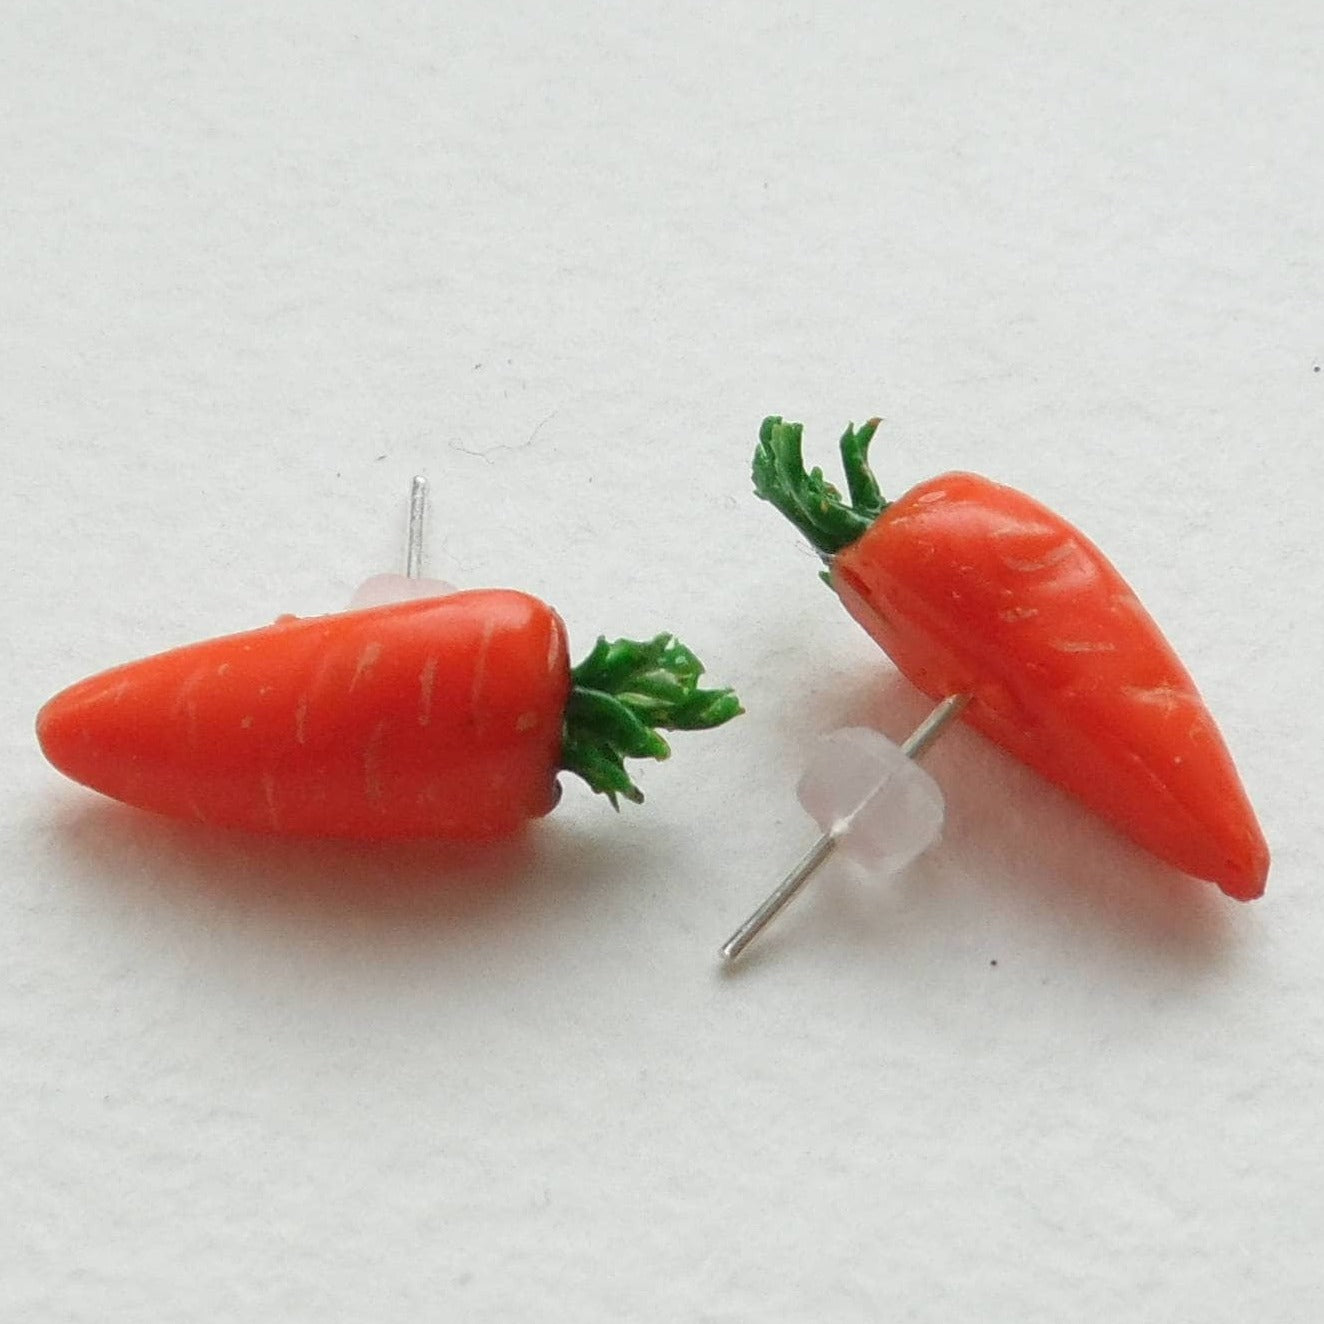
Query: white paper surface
262,264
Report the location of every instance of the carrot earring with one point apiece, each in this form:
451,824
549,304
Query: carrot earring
419,713
1016,623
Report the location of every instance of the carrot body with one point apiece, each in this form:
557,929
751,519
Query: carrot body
433,718
971,587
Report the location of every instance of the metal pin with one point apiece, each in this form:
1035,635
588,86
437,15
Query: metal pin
418,504
914,745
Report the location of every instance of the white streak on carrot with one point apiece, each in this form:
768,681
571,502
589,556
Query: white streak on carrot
1018,613
112,696
367,660
1050,558
1159,696
480,670
427,680
1022,529
301,721
553,648
1084,646
186,705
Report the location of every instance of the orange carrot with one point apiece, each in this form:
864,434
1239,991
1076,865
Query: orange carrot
445,717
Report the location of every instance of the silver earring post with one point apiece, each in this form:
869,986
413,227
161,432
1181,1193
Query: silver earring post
913,747
418,505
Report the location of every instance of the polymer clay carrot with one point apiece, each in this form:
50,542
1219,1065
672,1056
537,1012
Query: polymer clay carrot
974,589
445,717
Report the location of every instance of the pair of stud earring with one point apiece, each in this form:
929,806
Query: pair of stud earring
423,711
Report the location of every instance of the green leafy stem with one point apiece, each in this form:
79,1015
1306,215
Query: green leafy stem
621,693
807,499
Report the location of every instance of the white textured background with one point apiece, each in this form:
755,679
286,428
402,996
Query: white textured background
260,263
